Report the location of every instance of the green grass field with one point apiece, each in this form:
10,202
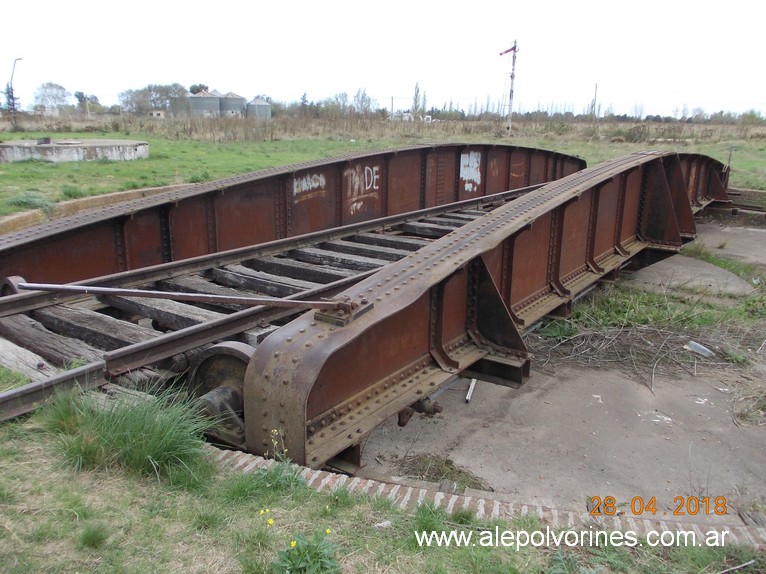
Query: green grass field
175,159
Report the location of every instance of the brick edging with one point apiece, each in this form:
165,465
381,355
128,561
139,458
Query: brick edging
486,506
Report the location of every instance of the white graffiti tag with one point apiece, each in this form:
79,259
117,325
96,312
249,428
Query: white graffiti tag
363,183
309,186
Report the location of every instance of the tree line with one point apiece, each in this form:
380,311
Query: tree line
172,99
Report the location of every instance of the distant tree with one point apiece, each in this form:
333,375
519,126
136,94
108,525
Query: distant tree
88,103
197,88
416,99
51,96
698,115
362,103
337,106
751,117
152,97
12,105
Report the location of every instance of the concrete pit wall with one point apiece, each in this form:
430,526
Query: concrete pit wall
73,150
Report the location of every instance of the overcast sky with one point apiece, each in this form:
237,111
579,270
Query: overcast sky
647,57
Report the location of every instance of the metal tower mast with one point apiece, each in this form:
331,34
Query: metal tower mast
515,50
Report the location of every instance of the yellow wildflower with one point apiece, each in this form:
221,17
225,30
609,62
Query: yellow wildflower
327,531
270,522
293,544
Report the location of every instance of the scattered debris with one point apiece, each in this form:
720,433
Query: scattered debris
695,347
470,390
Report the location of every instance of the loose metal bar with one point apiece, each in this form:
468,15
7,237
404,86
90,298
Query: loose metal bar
342,306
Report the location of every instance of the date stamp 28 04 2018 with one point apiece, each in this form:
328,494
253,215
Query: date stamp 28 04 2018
684,506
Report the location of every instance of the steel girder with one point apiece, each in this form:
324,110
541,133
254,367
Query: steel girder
459,305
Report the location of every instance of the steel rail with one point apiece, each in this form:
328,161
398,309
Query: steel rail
23,302
131,357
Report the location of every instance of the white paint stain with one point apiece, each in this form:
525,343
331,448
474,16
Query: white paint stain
363,183
470,170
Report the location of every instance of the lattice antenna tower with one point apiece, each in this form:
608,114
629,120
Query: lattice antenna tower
515,50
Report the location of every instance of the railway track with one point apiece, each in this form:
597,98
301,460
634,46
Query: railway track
326,334
234,293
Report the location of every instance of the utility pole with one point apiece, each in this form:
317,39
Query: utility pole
11,97
515,50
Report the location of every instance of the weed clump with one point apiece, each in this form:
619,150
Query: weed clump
33,200
160,437
315,554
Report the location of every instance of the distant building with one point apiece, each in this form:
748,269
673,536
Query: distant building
205,104
401,117
157,114
232,105
213,104
259,108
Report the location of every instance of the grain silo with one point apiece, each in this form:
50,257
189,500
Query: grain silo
232,105
205,104
259,108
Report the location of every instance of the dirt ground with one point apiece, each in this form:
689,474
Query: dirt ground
565,437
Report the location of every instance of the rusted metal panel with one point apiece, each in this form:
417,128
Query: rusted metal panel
447,174
97,254
498,168
313,200
405,179
531,248
188,227
519,163
363,190
607,200
233,230
143,240
631,198
458,304
574,243
538,168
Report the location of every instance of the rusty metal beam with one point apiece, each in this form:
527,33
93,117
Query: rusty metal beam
273,204
460,304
